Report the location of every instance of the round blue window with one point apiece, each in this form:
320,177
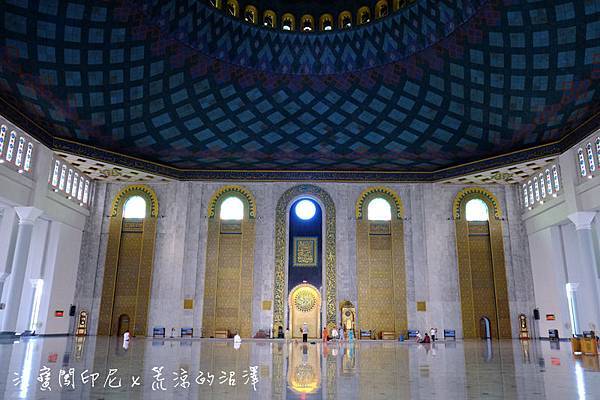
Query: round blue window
305,209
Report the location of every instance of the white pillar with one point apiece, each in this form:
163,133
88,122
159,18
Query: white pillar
27,217
583,227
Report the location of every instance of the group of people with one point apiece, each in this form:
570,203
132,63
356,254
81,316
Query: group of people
428,338
338,334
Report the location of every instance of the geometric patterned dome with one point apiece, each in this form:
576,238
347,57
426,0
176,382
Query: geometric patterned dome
179,89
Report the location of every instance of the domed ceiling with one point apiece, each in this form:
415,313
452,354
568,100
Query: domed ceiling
436,89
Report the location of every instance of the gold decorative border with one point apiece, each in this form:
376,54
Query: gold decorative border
144,284
314,246
233,189
469,319
389,194
211,321
475,192
132,190
371,316
281,245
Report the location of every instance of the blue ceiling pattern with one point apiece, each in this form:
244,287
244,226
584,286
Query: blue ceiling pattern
181,90
394,38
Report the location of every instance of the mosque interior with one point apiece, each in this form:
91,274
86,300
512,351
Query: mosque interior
300,199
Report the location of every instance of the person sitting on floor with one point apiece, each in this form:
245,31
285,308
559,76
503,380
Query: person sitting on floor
426,339
419,337
237,338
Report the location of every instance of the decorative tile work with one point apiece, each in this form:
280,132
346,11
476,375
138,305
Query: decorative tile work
281,250
380,266
182,91
481,268
228,281
129,259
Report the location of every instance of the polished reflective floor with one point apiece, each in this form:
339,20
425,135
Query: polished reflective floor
102,368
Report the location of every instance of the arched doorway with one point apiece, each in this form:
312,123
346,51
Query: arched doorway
123,324
305,307
305,253
485,331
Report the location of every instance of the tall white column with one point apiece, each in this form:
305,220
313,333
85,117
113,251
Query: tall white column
27,217
583,227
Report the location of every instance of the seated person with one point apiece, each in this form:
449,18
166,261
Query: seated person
426,339
419,337
237,338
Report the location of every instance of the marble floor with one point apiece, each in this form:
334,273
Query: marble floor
102,368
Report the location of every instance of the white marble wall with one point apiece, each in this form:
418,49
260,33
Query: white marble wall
180,253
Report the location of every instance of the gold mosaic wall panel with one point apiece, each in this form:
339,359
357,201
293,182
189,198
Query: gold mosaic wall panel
128,267
281,238
481,269
380,266
228,281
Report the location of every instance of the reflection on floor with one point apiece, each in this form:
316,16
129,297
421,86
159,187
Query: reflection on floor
100,367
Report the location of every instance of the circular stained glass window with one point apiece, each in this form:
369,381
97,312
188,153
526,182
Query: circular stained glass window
305,209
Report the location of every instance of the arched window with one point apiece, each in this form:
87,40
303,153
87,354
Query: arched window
549,181
80,190
381,9
379,210
597,149
55,173
86,192
135,207
542,185
582,166
2,138
250,14
556,178
364,15
28,156
536,187
20,150
69,181
326,22
590,155
345,20
269,19
525,196
308,23
63,177
75,185
232,8
11,146
287,22
232,209
530,193
476,210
